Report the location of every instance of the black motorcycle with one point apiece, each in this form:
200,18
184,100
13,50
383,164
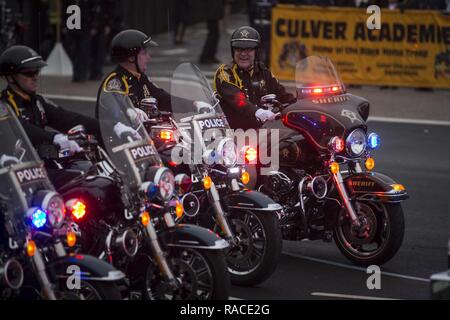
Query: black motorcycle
34,230
195,140
325,179
131,202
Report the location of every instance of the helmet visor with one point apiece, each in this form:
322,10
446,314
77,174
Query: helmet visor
32,63
248,43
149,43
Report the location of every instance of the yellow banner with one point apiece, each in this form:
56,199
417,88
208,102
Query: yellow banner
410,49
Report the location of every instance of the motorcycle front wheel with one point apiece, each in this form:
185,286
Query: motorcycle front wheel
201,275
378,238
258,249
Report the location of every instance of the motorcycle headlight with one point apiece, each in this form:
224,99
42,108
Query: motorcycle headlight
356,143
164,180
227,152
53,204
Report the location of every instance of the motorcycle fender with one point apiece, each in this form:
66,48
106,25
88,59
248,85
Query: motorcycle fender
374,186
192,236
250,200
90,268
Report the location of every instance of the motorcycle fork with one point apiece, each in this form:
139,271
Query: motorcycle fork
46,285
339,183
158,254
214,199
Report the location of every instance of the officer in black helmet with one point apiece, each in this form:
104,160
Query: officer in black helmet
241,83
20,66
131,50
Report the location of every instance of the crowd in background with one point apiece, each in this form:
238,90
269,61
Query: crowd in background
391,4
102,19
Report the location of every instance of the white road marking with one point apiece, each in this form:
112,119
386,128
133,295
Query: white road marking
70,98
343,265
348,296
168,79
409,121
171,52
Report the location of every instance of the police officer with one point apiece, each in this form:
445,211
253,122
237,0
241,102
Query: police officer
241,83
20,65
131,49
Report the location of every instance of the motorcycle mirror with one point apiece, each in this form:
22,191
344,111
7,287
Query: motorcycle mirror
203,107
268,98
150,106
79,129
18,145
132,115
18,150
149,102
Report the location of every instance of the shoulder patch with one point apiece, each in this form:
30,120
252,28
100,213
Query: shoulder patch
3,110
115,84
226,75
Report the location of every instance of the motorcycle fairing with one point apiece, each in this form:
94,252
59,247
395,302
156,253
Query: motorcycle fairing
192,236
250,200
320,121
91,268
374,186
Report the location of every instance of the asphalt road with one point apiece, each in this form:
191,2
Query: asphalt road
417,156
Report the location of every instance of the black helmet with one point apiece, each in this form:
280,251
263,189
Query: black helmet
18,58
128,43
245,37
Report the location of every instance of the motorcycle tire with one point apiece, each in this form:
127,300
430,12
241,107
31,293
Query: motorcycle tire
245,226
191,267
384,221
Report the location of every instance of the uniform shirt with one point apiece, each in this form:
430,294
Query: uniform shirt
137,87
240,92
36,112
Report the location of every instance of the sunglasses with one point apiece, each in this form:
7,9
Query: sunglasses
244,49
31,73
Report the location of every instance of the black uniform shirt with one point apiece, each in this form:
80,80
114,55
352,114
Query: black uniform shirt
240,92
35,112
136,87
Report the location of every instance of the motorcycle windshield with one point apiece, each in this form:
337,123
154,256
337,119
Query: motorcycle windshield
188,87
324,112
21,171
198,112
317,75
125,139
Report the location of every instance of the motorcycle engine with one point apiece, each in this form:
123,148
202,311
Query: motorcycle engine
11,276
281,187
294,190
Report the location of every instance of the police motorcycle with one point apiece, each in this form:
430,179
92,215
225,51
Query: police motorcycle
34,230
196,140
326,181
131,216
